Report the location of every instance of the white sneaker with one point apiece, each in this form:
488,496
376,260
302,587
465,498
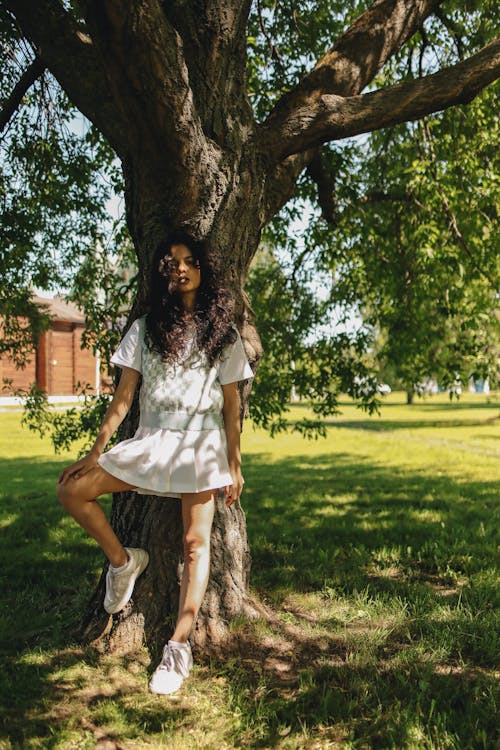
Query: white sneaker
172,670
119,586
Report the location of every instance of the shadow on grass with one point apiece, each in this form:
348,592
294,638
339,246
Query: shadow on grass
48,572
420,405
49,566
386,425
330,529
309,516
82,693
370,703
357,530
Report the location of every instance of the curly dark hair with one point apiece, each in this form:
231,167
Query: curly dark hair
167,326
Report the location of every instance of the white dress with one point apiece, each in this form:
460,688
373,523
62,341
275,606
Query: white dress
180,443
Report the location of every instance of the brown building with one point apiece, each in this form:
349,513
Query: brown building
58,363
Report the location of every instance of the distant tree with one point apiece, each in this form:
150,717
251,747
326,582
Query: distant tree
303,356
417,247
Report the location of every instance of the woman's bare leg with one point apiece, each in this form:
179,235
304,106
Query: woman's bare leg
197,516
77,496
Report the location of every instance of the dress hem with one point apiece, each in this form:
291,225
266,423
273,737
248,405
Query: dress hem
127,477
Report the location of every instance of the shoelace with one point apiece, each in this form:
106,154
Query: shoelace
172,661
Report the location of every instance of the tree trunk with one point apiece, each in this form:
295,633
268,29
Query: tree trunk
155,524
409,396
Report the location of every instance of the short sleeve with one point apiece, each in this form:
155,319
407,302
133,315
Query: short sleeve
129,353
234,363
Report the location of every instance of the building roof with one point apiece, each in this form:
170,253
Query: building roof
59,309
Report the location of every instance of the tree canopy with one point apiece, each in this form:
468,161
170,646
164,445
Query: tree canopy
403,219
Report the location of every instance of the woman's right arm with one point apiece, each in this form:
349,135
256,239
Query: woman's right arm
115,414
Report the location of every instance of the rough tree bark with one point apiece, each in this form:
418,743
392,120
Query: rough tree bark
165,84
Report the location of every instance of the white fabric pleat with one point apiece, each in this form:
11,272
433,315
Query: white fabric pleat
167,462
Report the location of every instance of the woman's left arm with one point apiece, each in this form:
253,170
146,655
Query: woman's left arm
231,414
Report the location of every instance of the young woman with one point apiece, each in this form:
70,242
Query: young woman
187,445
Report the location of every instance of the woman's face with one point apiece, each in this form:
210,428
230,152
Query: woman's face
184,269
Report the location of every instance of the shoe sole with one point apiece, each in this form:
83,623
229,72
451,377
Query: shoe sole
165,692
126,597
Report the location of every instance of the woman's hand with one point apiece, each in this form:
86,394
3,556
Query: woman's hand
115,414
79,468
231,414
233,491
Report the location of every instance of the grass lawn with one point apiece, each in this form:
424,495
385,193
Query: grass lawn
375,550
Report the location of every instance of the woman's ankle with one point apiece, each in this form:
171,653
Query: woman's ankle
119,559
180,638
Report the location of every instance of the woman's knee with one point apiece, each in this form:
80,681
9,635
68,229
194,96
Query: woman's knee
64,494
195,545
68,495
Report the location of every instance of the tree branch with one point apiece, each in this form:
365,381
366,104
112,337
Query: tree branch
70,56
330,117
281,182
344,70
325,182
358,54
213,33
28,78
273,50
145,63
377,196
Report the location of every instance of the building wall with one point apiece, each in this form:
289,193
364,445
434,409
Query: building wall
58,363
21,378
84,361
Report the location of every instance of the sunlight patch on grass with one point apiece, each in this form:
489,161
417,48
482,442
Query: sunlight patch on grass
8,520
428,516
